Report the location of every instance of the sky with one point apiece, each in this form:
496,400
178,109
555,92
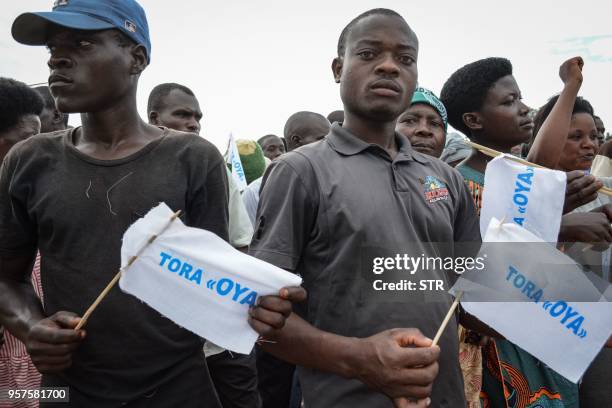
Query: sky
252,64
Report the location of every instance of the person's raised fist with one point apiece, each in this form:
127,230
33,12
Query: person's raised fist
571,71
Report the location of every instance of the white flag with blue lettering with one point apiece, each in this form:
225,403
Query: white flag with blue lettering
528,196
197,280
233,158
539,299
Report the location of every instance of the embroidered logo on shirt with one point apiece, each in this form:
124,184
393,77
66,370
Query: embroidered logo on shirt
435,190
57,3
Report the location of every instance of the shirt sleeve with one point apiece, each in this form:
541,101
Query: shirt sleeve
17,230
207,206
250,198
286,213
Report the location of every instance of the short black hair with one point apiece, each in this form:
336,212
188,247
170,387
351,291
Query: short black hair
263,139
301,119
158,93
301,122
336,116
17,100
466,89
49,102
346,31
581,105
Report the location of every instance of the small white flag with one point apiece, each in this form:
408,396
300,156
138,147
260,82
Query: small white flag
233,158
530,197
539,299
197,280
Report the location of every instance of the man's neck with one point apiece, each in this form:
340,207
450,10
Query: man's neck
115,132
378,133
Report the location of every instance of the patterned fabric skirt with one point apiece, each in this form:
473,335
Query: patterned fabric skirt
513,378
470,360
16,368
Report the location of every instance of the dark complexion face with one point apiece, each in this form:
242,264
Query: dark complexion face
601,131
28,125
50,120
91,70
46,120
310,133
273,147
378,71
581,144
179,111
504,120
423,126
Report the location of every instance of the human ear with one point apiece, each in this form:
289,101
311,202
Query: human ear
139,59
472,120
57,116
295,139
154,118
337,68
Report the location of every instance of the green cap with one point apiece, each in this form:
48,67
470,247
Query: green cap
422,95
252,159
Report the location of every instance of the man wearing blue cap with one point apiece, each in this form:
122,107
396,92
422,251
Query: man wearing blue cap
72,194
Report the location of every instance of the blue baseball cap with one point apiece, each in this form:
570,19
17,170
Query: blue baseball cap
125,15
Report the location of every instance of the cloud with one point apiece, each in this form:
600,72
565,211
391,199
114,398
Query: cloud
595,48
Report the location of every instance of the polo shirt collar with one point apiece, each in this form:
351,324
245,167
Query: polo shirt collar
347,144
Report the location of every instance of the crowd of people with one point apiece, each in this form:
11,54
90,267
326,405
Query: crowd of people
321,199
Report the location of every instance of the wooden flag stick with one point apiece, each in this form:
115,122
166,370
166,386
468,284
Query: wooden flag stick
494,153
450,313
123,269
453,307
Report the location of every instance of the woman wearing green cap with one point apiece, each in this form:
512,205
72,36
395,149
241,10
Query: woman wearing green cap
424,123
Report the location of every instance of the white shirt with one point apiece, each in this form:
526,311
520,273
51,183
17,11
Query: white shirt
240,227
250,197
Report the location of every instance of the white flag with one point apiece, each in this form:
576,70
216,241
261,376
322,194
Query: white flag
530,197
233,158
197,280
539,299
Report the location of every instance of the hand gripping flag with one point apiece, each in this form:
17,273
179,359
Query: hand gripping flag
197,280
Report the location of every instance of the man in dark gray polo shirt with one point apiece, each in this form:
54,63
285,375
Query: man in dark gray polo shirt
329,208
